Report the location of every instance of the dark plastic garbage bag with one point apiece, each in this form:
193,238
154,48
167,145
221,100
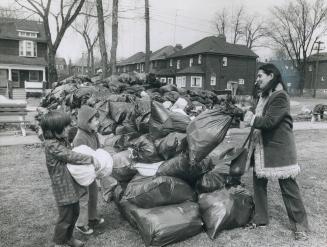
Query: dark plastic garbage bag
144,150
171,145
210,181
164,225
225,209
205,132
163,121
177,166
122,169
151,192
120,111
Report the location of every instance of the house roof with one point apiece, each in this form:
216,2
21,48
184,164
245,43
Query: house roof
136,58
216,45
10,59
9,28
61,61
191,70
321,57
160,54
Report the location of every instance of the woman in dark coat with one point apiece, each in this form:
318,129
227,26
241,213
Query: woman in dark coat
273,151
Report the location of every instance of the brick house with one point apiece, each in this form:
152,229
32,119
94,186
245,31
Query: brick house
62,68
23,52
213,64
132,63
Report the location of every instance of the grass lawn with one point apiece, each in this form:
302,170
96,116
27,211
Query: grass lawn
28,211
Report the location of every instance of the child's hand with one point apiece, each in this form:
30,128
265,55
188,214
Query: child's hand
96,164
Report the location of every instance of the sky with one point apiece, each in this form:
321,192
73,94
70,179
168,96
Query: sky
171,22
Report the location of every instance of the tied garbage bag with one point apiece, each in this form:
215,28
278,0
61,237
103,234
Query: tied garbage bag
171,145
205,132
149,192
177,166
225,209
210,181
121,111
123,169
144,150
164,225
163,121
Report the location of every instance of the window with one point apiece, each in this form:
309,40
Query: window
310,68
138,66
224,61
170,80
196,81
28,34
27,48
241,81
163,79
34,75
142,67
199,59
124,69
191,62
178,65
171,63
322,78
213,80
181,81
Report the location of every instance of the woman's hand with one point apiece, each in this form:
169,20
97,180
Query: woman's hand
248,118
96,164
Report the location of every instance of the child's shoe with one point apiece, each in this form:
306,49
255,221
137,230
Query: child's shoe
96,222
85,230
75,243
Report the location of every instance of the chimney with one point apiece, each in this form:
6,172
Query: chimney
178,46
221,37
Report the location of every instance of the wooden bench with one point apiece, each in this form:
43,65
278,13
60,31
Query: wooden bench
12,111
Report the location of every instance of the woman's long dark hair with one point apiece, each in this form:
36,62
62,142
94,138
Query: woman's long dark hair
268,69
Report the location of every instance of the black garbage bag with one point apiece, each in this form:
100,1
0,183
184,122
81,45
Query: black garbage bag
164,225
210,181
122,169
171,96
205,132
120,111
163,121
126,128
142,123
225,209
149,192
168,88
171,144
106,124
122,142
177,166
144,150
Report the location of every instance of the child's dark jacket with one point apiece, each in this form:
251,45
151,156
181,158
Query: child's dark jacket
58,153
86,136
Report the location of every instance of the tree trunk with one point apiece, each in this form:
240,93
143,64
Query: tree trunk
102,40
113,51
52,71
92,62
147,37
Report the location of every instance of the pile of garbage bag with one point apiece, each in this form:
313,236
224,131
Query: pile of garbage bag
171,182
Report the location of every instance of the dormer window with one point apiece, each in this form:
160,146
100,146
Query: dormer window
27,34
191,62
27,48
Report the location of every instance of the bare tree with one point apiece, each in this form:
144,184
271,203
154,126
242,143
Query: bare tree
236,24
102,39
253,30
64,15
113,51
85,26
296,27
221,20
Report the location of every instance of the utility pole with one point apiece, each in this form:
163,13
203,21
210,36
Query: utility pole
319,43
147,37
